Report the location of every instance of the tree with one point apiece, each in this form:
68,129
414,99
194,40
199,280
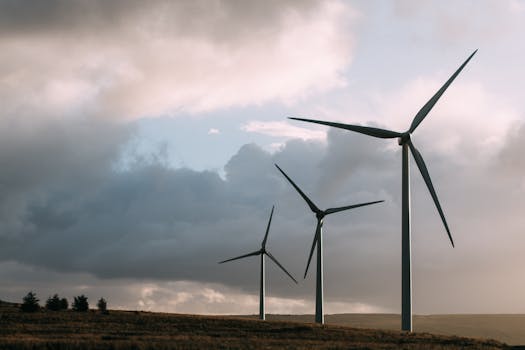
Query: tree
80,303
30,303
64,304
102,305
53,303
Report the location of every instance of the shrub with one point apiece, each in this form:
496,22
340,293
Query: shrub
102,305
30,303
64,304
80,303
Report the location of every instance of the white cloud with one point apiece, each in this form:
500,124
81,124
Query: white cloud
214,131
147,65
276,146
517,6
469,120
360,308
283,129
467,21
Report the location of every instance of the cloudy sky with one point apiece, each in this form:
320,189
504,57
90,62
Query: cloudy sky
137,144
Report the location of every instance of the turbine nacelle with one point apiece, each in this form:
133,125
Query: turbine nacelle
404,138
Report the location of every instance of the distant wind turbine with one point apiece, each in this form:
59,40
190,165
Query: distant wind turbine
318,239
262,252
406,143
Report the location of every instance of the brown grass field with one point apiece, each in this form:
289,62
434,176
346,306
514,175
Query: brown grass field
506,328
147,330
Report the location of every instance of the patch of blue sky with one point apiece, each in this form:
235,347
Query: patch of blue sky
204,141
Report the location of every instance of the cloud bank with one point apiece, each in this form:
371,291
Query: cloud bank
155,223
127,60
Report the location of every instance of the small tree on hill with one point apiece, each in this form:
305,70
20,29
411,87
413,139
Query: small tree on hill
30,303
102,305
64,304
53,303
80,303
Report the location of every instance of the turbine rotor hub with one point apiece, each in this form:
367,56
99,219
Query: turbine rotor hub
404,138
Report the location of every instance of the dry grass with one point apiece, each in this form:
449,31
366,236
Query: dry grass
144,330
505,328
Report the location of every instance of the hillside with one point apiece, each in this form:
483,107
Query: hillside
508,328
145,330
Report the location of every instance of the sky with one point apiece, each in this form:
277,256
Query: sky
137,144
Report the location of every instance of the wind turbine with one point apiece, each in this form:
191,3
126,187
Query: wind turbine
406,144
262,252
318,239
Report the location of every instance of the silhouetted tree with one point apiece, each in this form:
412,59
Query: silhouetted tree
80,303
30,303
102,305
64,304
53,303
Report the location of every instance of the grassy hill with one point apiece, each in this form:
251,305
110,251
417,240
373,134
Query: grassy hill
508,328
144,330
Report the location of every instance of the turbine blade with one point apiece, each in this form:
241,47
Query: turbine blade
428,106
316,236
335,210
375,132
242,256
268,228
424,172
281,266
311,204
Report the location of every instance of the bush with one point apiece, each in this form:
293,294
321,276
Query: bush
80,303
102,305
30,303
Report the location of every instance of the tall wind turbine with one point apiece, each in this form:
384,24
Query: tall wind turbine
406,144
318,239
262,252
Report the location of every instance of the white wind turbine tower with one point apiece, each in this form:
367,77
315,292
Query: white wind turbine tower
318,240
406,144
262,252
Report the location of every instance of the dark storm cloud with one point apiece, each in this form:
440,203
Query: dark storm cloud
41,163
219,19
80,213
67,206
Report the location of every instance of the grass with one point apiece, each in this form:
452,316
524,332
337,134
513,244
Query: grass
507,328
66,330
